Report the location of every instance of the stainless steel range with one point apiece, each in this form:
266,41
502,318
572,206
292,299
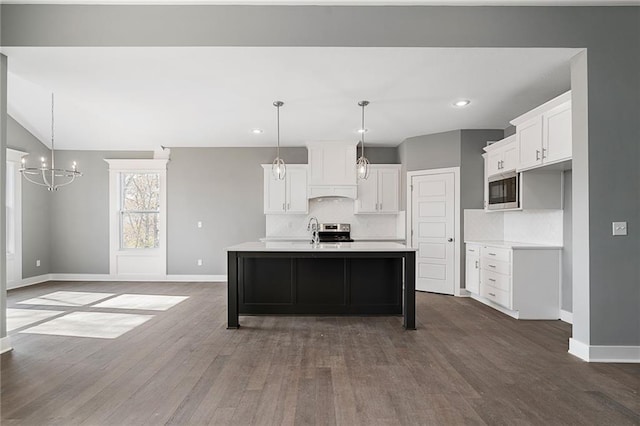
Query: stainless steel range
335,233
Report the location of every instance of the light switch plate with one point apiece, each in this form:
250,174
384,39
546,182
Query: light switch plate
619,228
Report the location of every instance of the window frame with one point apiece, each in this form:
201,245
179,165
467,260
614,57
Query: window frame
136,263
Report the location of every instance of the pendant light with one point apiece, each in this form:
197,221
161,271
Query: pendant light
278,168
50,177
362,165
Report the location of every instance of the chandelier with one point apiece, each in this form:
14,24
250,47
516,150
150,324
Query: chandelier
362,165
50,177
278,168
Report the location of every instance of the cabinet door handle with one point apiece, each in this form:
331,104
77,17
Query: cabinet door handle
476,264
544,152
492,254
472,250
288,206
492,294
380,206
491,279
537,154
283,206
491,266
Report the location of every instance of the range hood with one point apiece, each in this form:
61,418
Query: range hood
332,169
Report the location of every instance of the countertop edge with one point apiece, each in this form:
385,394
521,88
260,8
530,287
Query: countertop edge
518,245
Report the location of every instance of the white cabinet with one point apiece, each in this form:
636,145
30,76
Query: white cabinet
556,139
523,281
288,196
544,134
501,156
472,270
380,192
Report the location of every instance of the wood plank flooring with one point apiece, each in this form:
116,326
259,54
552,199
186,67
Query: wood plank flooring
466,364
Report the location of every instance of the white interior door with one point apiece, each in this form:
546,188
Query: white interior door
433,231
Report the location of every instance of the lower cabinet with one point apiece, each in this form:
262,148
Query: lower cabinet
472,270
523,282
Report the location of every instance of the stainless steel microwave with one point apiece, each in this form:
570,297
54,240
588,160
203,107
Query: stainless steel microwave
504,192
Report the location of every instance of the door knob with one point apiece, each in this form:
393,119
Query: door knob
450,240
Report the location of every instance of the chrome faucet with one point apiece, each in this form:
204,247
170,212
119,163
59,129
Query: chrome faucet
314,226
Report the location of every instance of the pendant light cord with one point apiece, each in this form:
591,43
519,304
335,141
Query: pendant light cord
53,161
278,117
363,129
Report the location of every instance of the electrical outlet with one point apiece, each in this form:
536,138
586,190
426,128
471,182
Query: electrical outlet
199,262
199,224
619,228
38,263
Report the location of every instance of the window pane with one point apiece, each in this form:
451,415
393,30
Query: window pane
141,191
140,230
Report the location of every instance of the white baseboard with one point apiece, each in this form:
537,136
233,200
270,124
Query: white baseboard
599,353
566,316
5,344
107,277
31,281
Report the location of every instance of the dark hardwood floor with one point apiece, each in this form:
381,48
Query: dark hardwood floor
466,364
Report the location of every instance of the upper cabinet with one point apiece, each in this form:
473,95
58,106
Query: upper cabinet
543,135
380,192
502,156
332,169
288,196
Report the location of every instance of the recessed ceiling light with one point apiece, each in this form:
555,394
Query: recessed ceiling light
257,131
462,103
362,130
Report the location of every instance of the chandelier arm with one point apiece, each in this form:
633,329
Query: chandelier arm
65,183
27,177
44,178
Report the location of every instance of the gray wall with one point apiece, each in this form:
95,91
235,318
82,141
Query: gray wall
566,303
36,204
606,157
223,188
80,213
68,230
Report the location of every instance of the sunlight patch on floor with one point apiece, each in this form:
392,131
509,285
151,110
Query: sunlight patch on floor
142,301
90,324
67,298
18,318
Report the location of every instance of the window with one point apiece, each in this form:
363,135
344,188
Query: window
138,218
140,210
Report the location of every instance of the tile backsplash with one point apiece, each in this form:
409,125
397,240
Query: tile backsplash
338,210
530,226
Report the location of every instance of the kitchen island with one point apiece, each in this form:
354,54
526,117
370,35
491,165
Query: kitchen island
300,278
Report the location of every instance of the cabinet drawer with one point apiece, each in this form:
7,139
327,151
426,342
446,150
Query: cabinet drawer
497,253
502,298
499,281
496,266
473,250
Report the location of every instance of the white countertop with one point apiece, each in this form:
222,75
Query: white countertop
308,238
322,247
514,244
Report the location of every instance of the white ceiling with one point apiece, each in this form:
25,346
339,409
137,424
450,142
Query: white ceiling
141,98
